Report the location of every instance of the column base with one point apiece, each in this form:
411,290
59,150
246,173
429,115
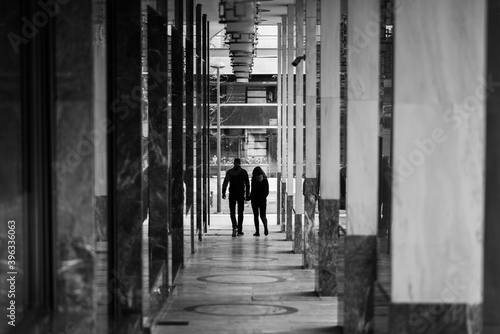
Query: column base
327,280
278,198
298,246
310,250
360,276
436,318
283,207
289,218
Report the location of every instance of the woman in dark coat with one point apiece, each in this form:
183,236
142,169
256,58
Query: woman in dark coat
258,196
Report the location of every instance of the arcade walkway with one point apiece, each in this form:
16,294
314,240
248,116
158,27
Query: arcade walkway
248,285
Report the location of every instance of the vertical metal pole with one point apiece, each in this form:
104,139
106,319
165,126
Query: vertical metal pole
290,125
199,127
284,96
278,131
219,190
206,123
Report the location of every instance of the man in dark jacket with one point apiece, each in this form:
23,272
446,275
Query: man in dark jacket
239,189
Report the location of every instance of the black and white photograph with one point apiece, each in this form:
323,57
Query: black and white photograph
250,167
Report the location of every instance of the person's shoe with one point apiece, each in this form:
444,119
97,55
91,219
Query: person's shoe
266,232
256,234
234,232
240,233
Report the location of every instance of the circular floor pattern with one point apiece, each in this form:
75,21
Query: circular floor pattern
246,259
250,310
241,279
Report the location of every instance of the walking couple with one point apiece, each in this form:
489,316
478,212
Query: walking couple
239,186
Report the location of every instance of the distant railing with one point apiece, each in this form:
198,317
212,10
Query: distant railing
244,161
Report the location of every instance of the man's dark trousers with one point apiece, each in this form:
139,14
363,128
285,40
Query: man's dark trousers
233,199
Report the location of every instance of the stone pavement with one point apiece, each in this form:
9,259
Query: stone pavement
247,284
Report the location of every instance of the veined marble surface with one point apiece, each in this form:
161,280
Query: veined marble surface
330,148
311,90
363,166
283,206
290,106
298,246
157,199
310,249
438,185
363,34
327,282
360,275
298,239
74,211
363,117
330,99
289,217
299,112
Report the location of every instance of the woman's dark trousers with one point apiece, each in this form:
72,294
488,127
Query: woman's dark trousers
259,207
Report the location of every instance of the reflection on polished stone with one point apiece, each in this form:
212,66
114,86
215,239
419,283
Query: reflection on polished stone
241,279
242,309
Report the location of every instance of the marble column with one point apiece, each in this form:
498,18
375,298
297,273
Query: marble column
100,163
125,163
284,96
158,154
100,143
491,303
199,127
178,117
189,174
61,95
278,128
298,240
310,182
290,125
363,33
438,167
327,280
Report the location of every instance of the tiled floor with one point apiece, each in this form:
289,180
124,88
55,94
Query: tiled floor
248,285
